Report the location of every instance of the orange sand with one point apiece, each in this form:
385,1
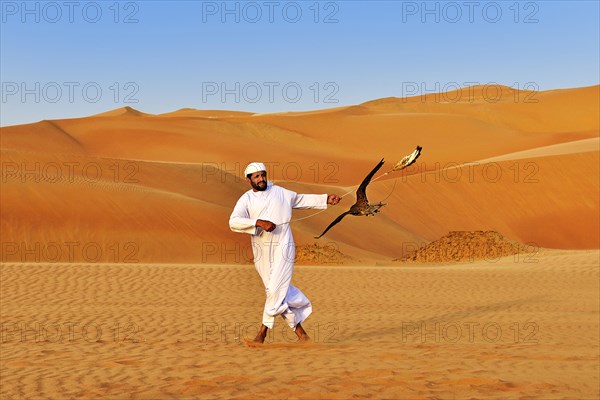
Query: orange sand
121,279
161,187
509,329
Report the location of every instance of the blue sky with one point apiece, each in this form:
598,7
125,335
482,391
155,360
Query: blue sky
71,59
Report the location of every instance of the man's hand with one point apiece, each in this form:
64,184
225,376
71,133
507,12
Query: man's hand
266,225
333,199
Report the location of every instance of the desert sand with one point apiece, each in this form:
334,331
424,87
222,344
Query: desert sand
121,279
515,328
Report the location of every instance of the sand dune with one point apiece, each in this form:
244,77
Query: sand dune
123,112
164,208
470,246
576,146
525,111
193,112
164,185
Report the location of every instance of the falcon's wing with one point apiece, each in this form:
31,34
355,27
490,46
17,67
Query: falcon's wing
361,195
338,219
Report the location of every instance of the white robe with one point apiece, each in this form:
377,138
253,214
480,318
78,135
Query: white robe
274,252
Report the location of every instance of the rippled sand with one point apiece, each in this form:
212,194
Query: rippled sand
511,329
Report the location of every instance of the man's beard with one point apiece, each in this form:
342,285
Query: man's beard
261,186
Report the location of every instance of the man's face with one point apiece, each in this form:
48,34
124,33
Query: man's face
258,180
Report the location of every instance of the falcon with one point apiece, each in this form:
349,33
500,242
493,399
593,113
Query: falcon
362,206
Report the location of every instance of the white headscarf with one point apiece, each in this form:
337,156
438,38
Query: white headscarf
254,167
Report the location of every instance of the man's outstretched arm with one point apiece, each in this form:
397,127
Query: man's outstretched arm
304,201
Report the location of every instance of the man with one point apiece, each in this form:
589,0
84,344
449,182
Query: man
264,213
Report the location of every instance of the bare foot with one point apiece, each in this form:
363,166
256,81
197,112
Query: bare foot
301,333
259,339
